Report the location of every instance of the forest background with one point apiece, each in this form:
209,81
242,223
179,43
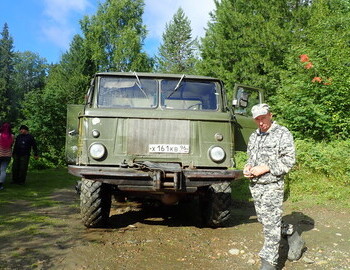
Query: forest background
297,50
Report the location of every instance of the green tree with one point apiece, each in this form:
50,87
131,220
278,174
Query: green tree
30,71
112,41
177,51
314,97
6,71
67,83
115,36
246,41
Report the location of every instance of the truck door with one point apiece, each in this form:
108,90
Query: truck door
72,132
245,97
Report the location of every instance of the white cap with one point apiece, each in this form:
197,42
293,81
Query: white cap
260,109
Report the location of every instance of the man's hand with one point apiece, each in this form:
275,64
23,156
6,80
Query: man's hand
246,171
259,170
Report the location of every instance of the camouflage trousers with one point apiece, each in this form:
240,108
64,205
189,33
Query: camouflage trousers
268,200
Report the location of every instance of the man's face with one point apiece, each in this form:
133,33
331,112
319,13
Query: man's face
23,131
264,122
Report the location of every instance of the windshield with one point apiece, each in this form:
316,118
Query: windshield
175,94
189,95
117,92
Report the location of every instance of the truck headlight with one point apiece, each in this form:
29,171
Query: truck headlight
97,150
217,154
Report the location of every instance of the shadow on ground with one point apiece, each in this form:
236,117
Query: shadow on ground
32,236
302,223
182,214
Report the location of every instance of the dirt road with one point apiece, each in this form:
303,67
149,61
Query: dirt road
167,238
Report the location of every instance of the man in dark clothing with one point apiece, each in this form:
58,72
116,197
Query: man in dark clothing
24,143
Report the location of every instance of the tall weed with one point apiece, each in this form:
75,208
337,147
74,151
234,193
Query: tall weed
321,174
331,159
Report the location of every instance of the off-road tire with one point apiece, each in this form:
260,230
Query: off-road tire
95,203
216,205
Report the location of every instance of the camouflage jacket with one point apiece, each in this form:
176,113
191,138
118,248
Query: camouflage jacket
274,148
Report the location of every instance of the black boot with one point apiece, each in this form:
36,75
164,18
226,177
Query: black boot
265,265
78,187
296,246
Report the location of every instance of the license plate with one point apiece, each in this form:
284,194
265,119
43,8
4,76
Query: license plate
169,148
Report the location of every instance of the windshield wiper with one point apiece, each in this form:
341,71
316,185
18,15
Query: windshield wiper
138,83
177,86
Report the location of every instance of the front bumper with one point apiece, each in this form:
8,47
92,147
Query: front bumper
161,178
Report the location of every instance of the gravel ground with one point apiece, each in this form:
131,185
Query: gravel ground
169,238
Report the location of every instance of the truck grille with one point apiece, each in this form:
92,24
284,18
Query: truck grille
142,132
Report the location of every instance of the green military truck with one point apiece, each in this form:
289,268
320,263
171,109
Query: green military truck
162,136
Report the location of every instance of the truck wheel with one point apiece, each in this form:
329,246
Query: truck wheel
95,203
216,205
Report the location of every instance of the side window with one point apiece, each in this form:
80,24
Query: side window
245,99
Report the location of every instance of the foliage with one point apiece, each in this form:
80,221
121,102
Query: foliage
66,83
20,73
6,71
30,71
314,95
245,42
321,174
261,43
328,159
176,53
115,36
240,159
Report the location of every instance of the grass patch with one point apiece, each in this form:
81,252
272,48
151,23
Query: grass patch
20,204
23,224
320,177
240,190
318,189
33,217
38,188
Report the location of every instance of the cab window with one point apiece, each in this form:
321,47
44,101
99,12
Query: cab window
185,94
117,92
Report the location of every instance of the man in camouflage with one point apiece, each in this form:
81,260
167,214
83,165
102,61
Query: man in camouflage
271,155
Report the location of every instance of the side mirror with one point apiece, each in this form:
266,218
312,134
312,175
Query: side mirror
241,101
245,97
